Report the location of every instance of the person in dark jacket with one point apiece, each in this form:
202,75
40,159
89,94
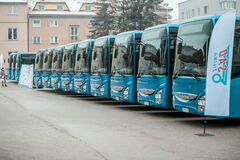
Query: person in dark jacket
3,75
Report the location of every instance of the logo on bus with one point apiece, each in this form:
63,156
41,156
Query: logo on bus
220,66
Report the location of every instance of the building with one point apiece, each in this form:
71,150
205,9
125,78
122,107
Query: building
13,27
164,11
195,8
58,22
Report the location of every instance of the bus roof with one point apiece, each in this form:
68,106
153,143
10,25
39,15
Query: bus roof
110,36
134,31
161,26
27,53
88,40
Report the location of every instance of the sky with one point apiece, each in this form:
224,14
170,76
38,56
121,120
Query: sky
174,5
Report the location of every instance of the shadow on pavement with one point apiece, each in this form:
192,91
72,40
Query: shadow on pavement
171,113
214,123
138,107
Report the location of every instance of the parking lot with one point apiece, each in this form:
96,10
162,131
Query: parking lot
47,124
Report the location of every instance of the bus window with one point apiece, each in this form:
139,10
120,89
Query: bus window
173,31
236,52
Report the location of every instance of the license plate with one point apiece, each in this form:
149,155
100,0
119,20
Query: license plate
146,103
117,98
95,94
185,110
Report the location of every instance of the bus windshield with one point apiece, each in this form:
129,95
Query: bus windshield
57,60
192,48
153,52
83,58
236,52
39,61
100,57
68,63
123,56
47,61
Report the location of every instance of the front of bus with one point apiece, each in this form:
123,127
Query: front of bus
17,67
100,68
189,78
24,59
47,68
123,79
154,85
9,66
57,68
13,76
68,65
38,81
82,67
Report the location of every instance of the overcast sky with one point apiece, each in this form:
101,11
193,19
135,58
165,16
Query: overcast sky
174,5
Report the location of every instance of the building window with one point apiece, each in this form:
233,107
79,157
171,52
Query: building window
60,7
12,33
88,8
199,12
205,9
193,12
41,7
74,33
36,23
12,9
36,40
54,40
53,23
228,5
182,15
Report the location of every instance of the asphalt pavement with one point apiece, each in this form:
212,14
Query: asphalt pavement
43,124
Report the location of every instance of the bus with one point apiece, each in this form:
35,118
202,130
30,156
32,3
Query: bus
57,68
82,66
47,68
26,58
14,60
38,80
68,65
10,65
101,66
125,66
157,52
189,79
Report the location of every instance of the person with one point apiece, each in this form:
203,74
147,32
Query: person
3,75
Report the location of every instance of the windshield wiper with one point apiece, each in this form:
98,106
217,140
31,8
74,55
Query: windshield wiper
153,75
195,76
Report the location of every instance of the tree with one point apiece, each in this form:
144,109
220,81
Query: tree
102,23
137,14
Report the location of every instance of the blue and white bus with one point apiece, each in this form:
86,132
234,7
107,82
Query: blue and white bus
38,80
10,65
101,66
26,58
157,52
14,61
82,66
189,84
68,65
47,68
57,68
125,66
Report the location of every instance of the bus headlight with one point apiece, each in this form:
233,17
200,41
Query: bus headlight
85,87
158,97
71,85
173,100
102,90
126,93
201,104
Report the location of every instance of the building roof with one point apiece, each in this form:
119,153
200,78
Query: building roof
13,1
73,5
